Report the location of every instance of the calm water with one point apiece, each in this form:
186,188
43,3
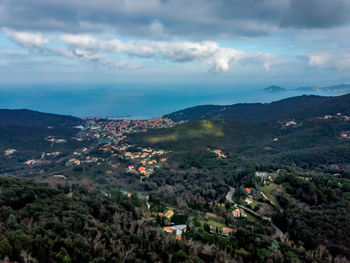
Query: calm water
120,100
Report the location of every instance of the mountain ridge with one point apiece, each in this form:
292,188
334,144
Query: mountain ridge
300,106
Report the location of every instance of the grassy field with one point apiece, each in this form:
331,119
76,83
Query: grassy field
272,190
204,129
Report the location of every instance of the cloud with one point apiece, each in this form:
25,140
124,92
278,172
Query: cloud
87,48
207,52
316,13
337,60
156,28
198,19
28,40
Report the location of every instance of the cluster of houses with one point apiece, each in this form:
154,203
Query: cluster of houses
122,126
336,116
145,161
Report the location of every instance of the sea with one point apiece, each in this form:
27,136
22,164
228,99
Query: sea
131,101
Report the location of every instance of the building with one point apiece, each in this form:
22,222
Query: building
226,231
169,214
248,200
177,230
237,213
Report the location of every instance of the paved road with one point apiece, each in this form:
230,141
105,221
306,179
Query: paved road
279,233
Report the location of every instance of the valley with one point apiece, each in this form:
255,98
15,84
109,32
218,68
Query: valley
241,190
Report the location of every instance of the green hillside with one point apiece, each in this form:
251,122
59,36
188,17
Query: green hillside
266,141
295,107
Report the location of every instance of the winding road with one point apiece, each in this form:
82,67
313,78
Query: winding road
279,233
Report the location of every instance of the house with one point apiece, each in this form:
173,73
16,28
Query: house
168,229
169,214
247,189
220,153
10,152
152,162
248,200
142,169
226,231
291,123
237,213
30,162
143,155
177,230
163,160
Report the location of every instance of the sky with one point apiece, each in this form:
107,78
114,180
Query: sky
253,42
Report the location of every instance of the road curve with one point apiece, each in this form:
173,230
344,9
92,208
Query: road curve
279,233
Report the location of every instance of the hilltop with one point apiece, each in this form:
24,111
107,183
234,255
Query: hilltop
24,117
295,107
274,88
27,136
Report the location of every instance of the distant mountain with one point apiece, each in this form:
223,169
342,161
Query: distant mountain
24,117
274,89
338,88
342,88
301,106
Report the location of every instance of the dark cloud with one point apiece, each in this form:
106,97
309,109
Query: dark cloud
196,19
317,13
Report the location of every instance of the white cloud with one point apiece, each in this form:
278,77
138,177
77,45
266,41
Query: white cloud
88,48
84,41
207,52
339,60
28,40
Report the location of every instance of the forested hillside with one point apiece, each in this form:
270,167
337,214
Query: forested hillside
296,107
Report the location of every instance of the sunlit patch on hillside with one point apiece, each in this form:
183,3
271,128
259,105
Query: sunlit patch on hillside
202,129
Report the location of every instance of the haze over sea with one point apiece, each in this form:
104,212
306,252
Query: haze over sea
136,101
